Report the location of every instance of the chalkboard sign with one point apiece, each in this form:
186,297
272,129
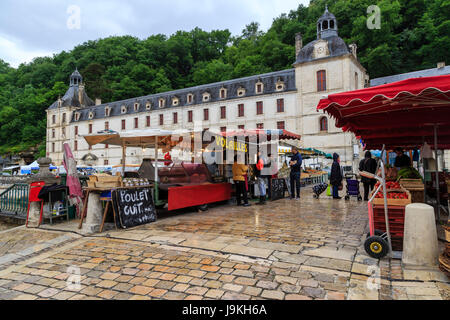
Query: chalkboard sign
287,184
278,189
134,206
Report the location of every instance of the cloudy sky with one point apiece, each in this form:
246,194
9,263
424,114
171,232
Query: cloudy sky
31,28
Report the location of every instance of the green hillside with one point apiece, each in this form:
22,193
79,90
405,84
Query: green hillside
414,35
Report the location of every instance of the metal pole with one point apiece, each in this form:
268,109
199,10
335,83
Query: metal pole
438,205
386,215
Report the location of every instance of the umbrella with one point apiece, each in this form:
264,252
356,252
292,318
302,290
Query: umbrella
76,194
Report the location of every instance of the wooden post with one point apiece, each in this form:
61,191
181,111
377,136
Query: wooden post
124,156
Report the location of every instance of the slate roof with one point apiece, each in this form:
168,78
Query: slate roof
416,74
248,83
71,98
336,47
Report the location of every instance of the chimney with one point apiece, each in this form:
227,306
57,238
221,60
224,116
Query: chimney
81,93
298,43
353,48
98,101
440,65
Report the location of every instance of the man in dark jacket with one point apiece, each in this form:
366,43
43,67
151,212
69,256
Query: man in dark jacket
336,176
370,165
402,160
295,163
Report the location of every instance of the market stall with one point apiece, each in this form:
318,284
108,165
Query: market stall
179,185
266,141
403,114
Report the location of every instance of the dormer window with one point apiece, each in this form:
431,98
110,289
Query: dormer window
259,87
107,111
148,106
190,98
91,115
161,102
241,92
175,101
279,86
223,93
136,107
123,109
77,116
206,96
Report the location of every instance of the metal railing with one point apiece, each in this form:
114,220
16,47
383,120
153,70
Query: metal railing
14,200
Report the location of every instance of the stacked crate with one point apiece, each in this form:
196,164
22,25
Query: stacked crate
444,258
396,216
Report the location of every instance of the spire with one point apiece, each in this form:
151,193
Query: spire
326,25
75,78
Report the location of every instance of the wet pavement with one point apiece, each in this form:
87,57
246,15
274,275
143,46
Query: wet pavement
287,249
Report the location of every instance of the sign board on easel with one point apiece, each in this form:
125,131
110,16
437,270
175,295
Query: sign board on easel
133,206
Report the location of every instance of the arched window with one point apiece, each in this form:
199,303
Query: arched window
321,80
325,25
331,24
323,124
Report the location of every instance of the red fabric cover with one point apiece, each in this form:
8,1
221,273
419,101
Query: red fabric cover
396,114
196,195
35,188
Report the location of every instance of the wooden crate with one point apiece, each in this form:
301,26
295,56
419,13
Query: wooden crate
104,185
108,179
393,202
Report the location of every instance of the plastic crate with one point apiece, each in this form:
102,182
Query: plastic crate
396,216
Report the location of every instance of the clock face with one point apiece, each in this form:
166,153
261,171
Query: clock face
321,50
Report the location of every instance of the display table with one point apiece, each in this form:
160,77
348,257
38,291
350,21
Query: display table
191,195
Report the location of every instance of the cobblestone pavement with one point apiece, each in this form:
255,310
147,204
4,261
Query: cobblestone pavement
289,249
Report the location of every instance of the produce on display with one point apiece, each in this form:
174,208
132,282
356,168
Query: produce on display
409,173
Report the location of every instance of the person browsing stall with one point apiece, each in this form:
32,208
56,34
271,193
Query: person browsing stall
336,176
239,172
370,165
402,160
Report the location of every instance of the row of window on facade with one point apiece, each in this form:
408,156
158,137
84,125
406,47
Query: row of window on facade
259,111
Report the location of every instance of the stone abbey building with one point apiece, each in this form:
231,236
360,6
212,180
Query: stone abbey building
284,99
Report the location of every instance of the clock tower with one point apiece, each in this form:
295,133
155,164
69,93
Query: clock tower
324,66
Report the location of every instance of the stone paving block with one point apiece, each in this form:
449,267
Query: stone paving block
267,285
174,295
289,288
107,294
252,252
291,258
47,293
180,287
232,287
157,293
235,296
273,294
326,252
253,291
140,290
214,293
285,279
275,246
107,284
